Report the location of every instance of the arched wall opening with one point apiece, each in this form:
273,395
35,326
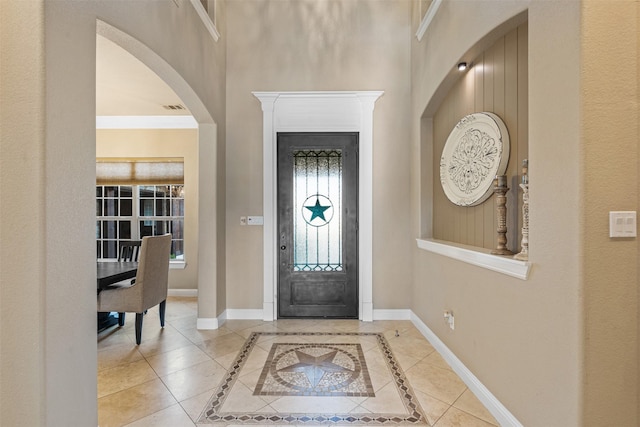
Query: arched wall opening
207,149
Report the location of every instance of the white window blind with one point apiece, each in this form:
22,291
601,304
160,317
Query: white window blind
140,171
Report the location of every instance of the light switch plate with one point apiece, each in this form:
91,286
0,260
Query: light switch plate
622,224
255,220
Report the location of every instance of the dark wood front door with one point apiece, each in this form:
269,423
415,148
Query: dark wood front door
318,225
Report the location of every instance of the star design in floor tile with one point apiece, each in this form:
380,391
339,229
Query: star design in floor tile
315,367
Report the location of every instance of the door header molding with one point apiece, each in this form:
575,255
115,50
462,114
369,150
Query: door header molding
318,112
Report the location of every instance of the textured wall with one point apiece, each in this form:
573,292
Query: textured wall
22,231
48,350
306,45
609,158
522,339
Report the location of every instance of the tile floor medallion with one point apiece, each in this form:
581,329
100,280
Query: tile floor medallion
314,378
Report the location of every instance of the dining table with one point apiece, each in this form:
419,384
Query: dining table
109,273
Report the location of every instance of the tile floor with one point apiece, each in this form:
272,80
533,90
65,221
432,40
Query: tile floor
169,379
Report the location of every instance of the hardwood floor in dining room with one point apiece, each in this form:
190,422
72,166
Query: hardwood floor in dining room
171,377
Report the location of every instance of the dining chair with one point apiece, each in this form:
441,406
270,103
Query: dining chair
149,289
129,250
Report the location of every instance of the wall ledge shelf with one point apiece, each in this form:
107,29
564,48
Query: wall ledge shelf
479,257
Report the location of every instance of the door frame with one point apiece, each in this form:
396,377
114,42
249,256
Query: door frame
318,112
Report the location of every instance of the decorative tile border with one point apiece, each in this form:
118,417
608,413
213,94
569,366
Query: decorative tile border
414,415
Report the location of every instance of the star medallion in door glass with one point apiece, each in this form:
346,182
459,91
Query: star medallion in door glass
317,210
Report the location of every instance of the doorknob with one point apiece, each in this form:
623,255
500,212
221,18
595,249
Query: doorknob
283,247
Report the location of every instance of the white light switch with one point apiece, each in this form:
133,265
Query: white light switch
622,224
255,220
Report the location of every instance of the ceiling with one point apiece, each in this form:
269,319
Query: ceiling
127,87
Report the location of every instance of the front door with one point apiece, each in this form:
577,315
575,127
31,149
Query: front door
318,225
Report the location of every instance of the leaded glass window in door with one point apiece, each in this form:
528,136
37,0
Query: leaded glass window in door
317,210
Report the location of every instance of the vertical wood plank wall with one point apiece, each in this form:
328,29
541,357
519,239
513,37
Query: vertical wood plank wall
497,83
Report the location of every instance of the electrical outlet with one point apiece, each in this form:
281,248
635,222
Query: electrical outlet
449,319
243,220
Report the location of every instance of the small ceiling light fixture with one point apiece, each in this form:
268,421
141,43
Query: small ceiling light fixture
462,66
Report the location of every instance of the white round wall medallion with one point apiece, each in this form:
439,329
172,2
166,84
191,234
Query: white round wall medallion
476,150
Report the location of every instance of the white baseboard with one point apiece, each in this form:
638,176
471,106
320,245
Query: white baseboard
182,292
497,409
398,314
207,323
240,313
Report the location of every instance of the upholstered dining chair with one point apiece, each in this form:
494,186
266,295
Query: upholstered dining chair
149,288
129,250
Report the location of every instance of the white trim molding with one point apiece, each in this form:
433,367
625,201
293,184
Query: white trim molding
146,122
206,19
428,17
207,323
493,405
318,112
477,256
392,314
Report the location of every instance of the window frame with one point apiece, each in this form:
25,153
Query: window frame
137,218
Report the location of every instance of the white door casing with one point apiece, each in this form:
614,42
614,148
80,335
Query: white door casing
318,112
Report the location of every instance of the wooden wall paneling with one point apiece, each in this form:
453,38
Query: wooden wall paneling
511,120
440,126
523,118
476,213
467,107
497,82
497,107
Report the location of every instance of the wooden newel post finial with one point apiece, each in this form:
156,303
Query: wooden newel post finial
500,189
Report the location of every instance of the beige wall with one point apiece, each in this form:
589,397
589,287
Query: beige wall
48,342
22,228
497,82
295,45
559,349
164,143
609,175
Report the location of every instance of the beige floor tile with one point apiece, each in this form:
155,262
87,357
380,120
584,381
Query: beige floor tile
443,384
256,360
198,336
469,403
134,403
405,362
266,327
408,345
238,325
432,407
187,379
162,340
313,404
194,380
379,378
223,345
113,337
121,377
241,398
176,360
294,325
173,416
457,418
118,355
227,360
196,404
386,401
436,360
